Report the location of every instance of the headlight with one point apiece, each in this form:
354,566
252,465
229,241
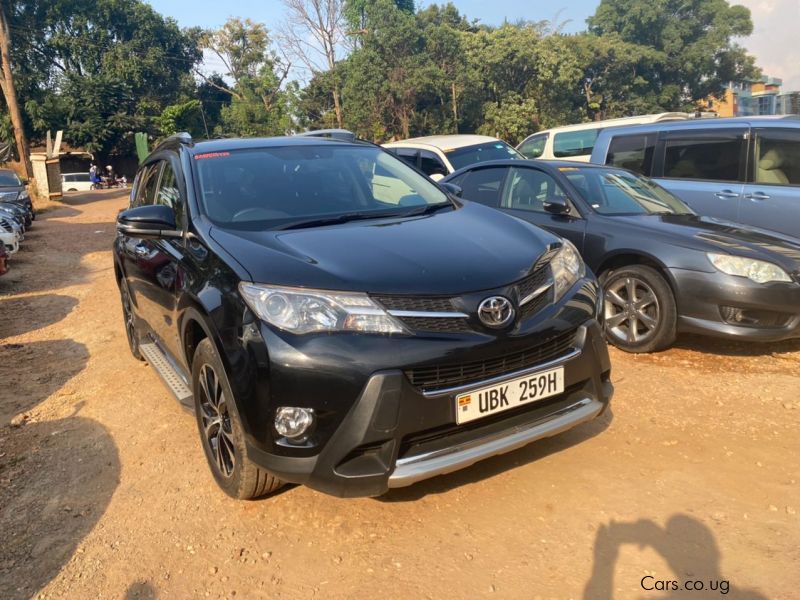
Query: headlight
306,311
567,267
755,270
23,195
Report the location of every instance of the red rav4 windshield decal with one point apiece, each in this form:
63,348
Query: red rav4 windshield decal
211,155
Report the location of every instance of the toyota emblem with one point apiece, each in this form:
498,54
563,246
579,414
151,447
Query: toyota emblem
496,312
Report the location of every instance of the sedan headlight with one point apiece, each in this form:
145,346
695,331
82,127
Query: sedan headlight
759,271
568,267
23,195
301,310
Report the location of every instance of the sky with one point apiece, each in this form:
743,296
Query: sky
773,42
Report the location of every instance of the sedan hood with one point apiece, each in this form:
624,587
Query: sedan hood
449,252
725,237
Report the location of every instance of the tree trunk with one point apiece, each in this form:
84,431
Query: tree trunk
10,93
337,105
455,108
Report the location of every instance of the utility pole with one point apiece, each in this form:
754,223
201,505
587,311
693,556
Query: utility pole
10,93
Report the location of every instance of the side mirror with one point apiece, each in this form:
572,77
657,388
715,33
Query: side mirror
557,205
151,221
452,188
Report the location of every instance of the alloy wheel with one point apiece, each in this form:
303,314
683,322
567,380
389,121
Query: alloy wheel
216,421
632,312
127,313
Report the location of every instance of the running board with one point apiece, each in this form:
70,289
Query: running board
167,372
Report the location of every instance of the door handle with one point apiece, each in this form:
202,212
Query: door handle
757,196
140,250
726,194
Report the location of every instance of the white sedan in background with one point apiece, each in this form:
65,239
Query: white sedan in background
439,155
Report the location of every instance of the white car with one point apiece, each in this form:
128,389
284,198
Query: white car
439,155
575,142
9,238
76,182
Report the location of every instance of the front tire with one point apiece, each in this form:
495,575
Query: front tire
639,309
221,432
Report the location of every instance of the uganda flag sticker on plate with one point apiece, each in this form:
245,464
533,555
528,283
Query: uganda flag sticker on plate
463,402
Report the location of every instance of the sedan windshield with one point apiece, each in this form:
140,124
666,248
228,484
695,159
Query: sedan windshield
615,192
463,157
297,186
9,180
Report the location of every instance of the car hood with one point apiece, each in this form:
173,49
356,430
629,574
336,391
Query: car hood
716,235
449,252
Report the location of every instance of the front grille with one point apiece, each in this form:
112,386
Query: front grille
438,324
535,305
418,303
433,377
533,282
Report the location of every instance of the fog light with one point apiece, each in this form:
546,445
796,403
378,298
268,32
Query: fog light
293,421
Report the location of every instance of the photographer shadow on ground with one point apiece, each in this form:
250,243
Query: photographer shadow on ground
688,547
57,479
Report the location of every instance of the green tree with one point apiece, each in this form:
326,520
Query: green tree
259,104
695,39
98,69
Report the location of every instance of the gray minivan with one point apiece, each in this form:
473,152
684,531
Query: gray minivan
743,169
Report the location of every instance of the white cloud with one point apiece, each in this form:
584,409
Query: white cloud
774,39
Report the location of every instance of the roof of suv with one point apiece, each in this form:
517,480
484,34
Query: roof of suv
228,144
444,142
768,120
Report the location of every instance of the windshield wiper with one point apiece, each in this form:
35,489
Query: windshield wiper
345,218
428,209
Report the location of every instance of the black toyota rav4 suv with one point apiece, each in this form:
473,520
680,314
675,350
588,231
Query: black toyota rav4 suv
336,319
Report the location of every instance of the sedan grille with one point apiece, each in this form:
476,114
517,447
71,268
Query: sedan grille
430,378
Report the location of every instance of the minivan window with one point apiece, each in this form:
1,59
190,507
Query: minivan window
463,157
308,182
634,152
533,147
704,157
574,143
778,156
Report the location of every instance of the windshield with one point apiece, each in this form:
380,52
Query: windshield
9,179
614,192
463,157
271,188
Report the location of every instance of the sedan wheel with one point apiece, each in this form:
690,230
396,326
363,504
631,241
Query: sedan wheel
639,309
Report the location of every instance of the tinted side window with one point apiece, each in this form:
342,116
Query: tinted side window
533,147
777,156
168,193
707,157
430,164
574,143
407,155
146,187
634,152
483,185
529,189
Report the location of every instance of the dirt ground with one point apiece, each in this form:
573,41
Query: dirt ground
104,492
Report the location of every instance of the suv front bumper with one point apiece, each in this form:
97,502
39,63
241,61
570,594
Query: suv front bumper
384,442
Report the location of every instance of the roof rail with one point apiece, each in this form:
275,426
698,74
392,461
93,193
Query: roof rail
182,138
331,134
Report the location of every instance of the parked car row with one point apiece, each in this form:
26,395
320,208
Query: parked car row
16,216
